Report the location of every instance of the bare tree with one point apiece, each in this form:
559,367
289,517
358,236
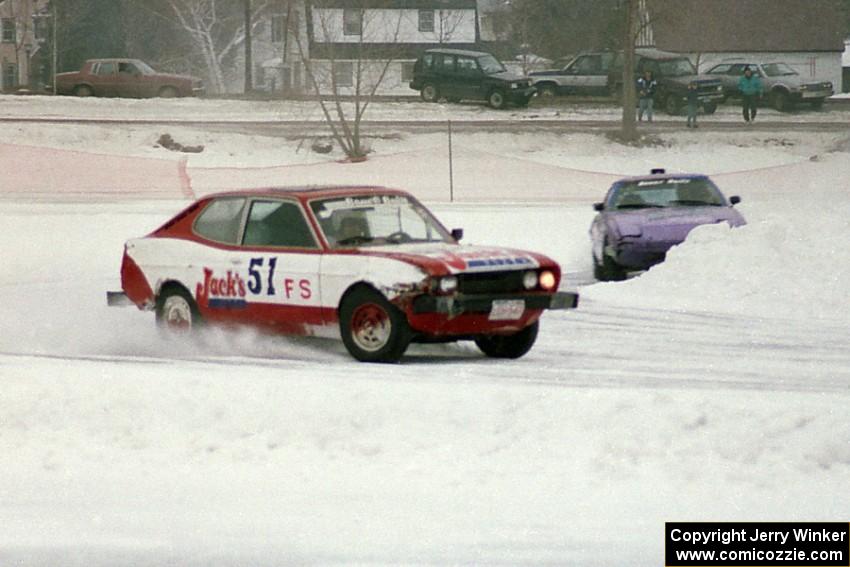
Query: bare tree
344,97
217,30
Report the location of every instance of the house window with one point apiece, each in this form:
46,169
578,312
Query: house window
278,25
352,22
39,27
407,71
343,73
426,20
10,75
281,27
9,32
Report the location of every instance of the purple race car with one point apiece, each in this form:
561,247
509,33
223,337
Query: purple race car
643,217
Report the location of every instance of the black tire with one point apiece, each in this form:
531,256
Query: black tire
167,92
176,311
430,93
497,100
672,105
617,93
817,104
780,101
607,270
709,107
83,91
508,346
547,90
372,329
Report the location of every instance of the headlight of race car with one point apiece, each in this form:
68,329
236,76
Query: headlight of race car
547,280
529,280
448,284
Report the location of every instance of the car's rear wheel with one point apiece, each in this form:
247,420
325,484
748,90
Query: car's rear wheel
176,311
496,99
372,329
167,92
430,93
508,346
672,105
83,90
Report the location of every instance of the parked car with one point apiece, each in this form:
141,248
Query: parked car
125,78
673,73
369,265
641,218
456,75
585,74
783,86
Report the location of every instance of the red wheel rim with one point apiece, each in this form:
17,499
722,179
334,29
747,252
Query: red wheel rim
370,327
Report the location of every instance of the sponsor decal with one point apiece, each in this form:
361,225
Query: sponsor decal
232,291
483,259
227,291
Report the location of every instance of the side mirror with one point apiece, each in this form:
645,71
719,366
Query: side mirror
734,199
457,234
598,207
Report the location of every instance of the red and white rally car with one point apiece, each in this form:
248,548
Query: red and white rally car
369,264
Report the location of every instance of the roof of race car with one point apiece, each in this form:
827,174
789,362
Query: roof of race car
307,191
660,176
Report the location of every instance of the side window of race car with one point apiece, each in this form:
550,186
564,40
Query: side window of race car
277,223
220,221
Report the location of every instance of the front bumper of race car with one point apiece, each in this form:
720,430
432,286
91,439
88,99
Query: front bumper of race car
460,304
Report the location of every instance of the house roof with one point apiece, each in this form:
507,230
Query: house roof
747,25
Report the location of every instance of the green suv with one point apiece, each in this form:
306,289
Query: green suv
456,74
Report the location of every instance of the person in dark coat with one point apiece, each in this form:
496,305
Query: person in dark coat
751,91
693,104
646,87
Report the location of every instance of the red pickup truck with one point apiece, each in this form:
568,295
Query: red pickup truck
125,78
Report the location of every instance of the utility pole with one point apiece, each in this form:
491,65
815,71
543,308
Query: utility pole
249,63
55,53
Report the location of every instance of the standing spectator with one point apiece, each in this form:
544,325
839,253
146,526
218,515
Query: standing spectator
693,104
751,90
646,86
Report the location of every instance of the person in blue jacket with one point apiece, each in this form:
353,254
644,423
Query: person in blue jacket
751,91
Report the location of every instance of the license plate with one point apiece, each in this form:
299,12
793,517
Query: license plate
507,309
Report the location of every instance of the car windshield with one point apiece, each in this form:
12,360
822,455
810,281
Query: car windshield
677,67
672,192
143,67
778,70
376,220
490,64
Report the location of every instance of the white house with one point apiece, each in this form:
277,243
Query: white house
355,44
24,25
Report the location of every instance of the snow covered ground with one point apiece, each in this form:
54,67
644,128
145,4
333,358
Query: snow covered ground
713,387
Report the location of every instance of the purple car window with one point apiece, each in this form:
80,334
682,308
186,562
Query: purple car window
668,192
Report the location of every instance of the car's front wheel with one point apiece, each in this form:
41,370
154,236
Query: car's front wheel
709,107
547,90
508,346
372,329
430,93
496,100
606,269
176,311
780,101
83,90
167,92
